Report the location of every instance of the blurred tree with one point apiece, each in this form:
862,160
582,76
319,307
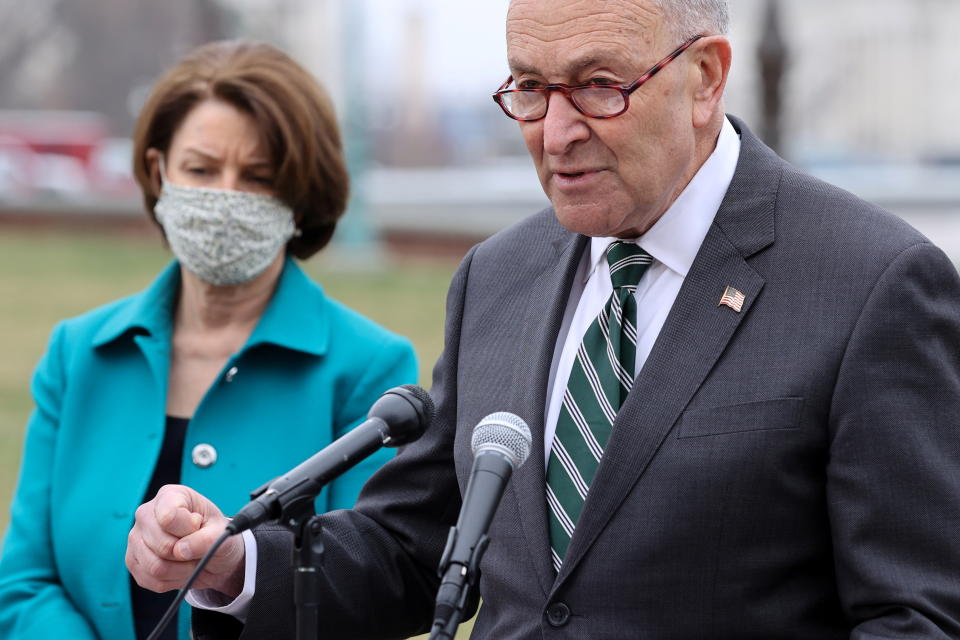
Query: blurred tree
28,39
773,57
95,54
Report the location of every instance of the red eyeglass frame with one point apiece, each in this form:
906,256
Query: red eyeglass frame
566,90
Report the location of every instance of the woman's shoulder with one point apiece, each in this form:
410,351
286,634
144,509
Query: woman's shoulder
347,321
90,323
148,309
346,326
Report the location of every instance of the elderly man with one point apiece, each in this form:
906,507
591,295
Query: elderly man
743,385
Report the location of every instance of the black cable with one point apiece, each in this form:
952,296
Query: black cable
172,609
449,630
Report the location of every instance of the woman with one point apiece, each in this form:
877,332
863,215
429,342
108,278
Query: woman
227,371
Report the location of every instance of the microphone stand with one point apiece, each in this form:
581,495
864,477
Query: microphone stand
301,519
308,560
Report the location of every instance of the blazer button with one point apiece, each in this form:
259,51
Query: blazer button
231,374
558,614
204,455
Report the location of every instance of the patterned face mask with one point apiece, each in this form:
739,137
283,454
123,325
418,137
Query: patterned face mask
223,237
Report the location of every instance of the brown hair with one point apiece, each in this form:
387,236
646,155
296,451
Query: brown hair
292,111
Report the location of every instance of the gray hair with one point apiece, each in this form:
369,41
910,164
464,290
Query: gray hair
687,18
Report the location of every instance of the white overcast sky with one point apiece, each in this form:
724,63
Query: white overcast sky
464,44
464,49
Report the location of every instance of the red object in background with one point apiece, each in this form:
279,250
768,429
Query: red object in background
66,154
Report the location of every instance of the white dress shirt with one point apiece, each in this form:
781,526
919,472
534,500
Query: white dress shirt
673,242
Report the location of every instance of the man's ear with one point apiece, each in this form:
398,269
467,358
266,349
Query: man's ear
153,169
713,55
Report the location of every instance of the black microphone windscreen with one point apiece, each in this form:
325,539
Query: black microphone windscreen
423,396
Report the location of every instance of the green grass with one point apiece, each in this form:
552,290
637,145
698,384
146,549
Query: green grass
47,276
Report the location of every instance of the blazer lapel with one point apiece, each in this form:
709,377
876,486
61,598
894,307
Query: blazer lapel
547,301
695,334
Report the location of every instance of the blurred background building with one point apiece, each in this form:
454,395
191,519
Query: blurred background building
863,93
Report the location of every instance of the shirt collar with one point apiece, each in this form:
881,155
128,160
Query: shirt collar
295,317
675,238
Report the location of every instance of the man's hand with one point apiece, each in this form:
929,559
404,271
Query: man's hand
170,535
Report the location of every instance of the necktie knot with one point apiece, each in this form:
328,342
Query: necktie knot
627,263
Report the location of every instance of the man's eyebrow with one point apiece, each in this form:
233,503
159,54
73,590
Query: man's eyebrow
572,68
517,68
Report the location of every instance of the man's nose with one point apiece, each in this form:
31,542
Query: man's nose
563,126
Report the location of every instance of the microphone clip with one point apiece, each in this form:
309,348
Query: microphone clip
458,591
471,570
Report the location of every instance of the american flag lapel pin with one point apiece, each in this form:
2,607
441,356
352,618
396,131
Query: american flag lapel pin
732,298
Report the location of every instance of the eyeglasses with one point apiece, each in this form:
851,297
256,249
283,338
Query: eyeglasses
592,100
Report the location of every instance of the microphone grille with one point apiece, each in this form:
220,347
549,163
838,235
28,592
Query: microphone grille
424,397
505,433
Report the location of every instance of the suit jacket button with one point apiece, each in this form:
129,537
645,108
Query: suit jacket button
558,614
204,455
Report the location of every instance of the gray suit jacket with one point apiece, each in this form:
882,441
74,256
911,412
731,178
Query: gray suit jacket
788,471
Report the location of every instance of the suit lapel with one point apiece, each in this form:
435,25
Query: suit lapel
695,334
543,315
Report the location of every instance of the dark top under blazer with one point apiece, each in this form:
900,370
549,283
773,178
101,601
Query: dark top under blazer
789,471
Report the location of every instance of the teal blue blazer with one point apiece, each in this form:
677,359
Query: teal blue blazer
309,373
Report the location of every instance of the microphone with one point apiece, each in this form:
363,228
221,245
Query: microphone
398,417
500,443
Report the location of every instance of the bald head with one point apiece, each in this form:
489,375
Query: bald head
683,18
644,23
620,28
687,18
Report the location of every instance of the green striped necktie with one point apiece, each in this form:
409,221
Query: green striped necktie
600,380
